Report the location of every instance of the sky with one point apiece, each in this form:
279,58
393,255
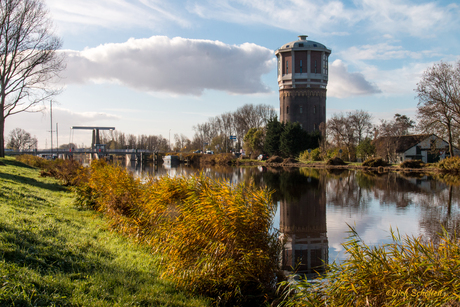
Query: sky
159,67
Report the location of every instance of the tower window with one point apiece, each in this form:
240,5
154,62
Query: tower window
300,66
314,109
300,109
287,110
287,67
315,66
314,127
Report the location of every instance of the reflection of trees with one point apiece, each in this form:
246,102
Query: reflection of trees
440,212
291,185
404,191
349,189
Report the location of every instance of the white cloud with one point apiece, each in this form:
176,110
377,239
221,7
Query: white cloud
115,13
294,15
178,65
397,16
332,16
383,51
398,81
344,84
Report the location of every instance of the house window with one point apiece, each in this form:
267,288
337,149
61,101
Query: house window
418,150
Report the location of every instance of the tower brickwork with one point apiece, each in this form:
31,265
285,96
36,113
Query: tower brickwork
302,80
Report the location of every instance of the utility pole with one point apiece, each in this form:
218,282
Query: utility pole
57,139
51,124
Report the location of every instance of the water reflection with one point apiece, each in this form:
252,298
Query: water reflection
303,228
315,207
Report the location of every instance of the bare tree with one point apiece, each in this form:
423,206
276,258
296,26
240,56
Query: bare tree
181,142
28,58
439,101
342,132
361,122
19,139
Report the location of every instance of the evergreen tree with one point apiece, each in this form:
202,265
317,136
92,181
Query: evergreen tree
293,140
273,135
313,140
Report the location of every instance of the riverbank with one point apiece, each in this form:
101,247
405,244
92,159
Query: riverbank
55,253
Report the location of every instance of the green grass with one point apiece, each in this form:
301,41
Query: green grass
54,254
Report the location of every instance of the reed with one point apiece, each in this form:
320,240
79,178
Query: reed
215,238
406,272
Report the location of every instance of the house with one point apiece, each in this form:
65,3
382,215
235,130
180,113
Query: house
426,147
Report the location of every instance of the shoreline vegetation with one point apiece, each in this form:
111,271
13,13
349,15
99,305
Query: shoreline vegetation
117,241
54,253
449,165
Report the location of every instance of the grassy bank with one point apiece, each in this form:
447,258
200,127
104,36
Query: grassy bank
55,254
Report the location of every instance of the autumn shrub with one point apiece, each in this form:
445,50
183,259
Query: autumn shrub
64,170
375,162
215,238
33,161
406,272
412,164
314,155
449,164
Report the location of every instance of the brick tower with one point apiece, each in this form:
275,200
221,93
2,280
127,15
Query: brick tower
302,79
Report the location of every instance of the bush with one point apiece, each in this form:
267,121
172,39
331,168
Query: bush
335,161
275,159
405,272
449,164
375,162
218,159
33,161
412,164
314,155
64,170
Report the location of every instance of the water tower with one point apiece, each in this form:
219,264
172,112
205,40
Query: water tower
302,79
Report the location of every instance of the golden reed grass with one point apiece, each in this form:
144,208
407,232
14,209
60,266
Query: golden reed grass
216,238
406,272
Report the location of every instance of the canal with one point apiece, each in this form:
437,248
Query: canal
316,207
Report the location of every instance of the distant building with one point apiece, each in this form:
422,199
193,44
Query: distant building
426,147
303,72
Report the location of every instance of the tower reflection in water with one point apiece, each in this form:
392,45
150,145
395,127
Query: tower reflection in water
303,228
